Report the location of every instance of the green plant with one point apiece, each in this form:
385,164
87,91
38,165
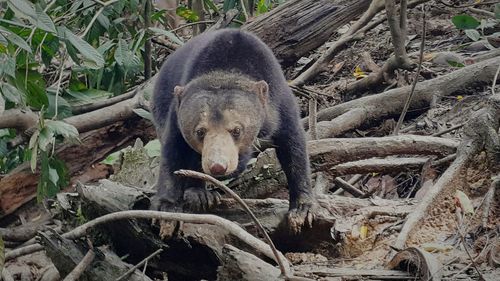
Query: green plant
473,28
55,55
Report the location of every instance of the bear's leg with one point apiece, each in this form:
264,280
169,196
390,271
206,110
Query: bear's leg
292,155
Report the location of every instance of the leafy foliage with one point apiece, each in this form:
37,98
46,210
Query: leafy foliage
472,27
58,54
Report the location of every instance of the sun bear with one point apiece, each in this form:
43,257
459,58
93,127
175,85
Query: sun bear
214,97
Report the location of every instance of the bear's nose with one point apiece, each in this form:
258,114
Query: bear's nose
217,169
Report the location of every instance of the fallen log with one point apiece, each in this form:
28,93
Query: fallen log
376,165
66,255
327,153
240,265
336,120
297,27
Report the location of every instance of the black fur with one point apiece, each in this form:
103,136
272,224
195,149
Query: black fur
232,51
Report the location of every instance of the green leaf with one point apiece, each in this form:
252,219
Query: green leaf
455,63
473,34
18,41
62,128
45,139
22,8
262,7
465,22
34,155
105,47
63,107
43,21
3,41
44,182
62,171
7,65
211,5
103,21
34,139
87,96
53,176
153,148
34,88
112,158
123,56
2,106
143,113
229,4
11,93
90,55
187,14
168,34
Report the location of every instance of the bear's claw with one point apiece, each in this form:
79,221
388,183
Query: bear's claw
302,216
200,199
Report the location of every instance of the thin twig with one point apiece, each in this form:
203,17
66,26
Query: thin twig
191,24
473,261
133,268
414,84
244,9
444,160
79,109
80,268
489,198
495,80
343,185
452,128
58,87
313,106
198,175
147,44
94,18
476,3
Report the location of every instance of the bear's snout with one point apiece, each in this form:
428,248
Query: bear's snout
218,169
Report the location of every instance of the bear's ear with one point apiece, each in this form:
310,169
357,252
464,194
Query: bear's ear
178,91
262,90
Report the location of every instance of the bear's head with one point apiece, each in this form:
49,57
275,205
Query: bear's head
220,116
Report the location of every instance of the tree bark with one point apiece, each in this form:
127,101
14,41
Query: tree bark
299,26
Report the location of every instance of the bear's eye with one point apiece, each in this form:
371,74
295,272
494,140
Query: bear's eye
200,133
236,132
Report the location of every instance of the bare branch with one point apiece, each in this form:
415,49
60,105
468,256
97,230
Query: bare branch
133,268
80,268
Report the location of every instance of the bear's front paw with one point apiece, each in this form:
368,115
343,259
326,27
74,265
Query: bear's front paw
164,204
200,199
302,215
